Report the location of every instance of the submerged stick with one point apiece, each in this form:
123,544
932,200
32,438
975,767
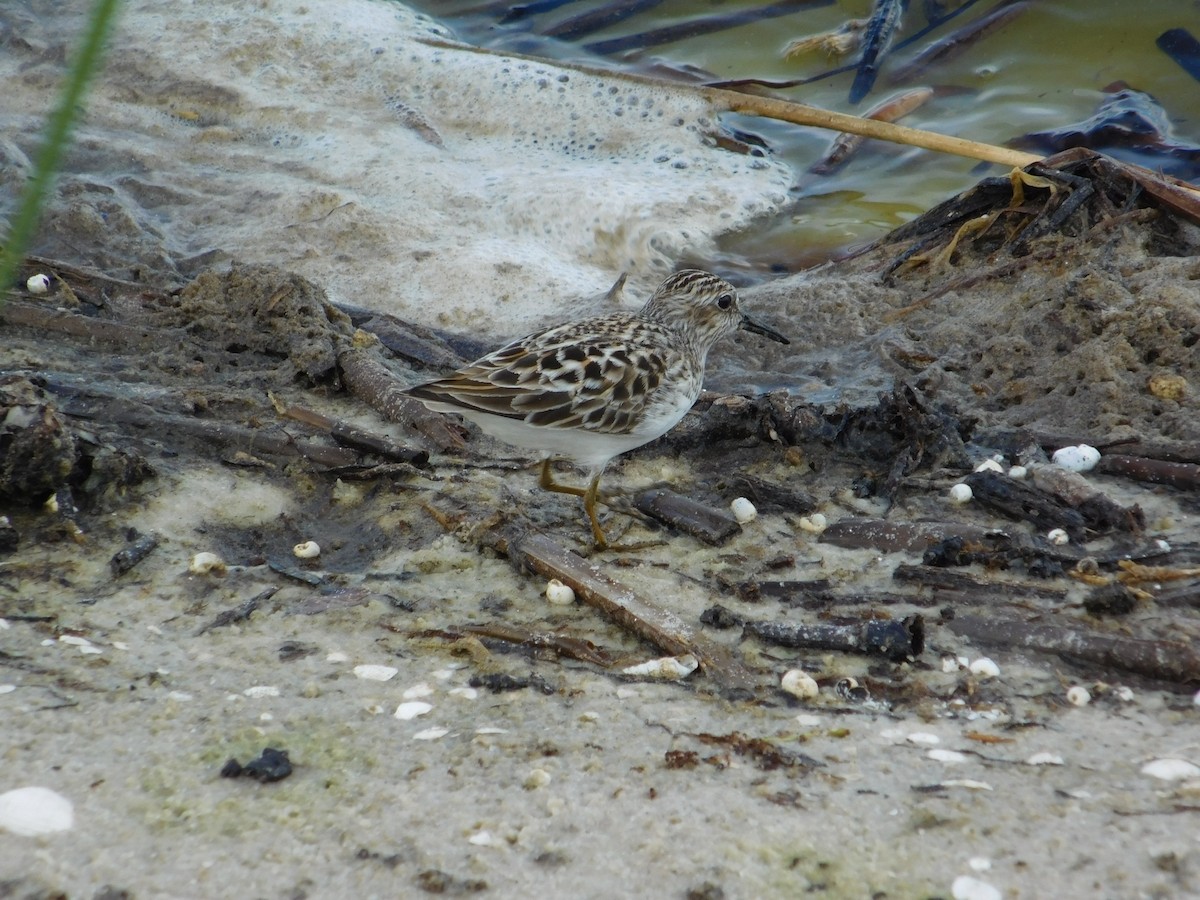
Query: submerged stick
845,146
594,20
954,44
669,34
885,20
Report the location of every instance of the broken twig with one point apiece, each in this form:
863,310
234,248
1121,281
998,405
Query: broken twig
627,609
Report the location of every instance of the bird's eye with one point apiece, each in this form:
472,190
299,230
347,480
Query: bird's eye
725,301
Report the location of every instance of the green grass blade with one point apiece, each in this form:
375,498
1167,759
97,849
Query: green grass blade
58,132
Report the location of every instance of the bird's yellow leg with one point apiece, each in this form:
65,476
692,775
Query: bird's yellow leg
547,483
590,495
589,506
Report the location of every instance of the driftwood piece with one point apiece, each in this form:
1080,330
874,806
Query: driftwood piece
416,344
702,522
1188,595
984,590
234,436
1154,471
1175,661
891,537
558,644
1023,502
767,494
88,328
1101,514
373,383
238,613
1170,451
634,613
140,546
359,438
897,640
819,595
95,402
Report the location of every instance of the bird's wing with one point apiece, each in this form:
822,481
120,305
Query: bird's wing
567,377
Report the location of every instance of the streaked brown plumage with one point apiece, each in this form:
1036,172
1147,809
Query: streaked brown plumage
595,388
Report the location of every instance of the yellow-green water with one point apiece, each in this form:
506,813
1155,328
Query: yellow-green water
1045,69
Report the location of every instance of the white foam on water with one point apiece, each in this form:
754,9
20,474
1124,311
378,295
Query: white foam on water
451,187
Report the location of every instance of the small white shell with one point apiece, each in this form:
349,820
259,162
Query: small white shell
32,811
1018,472
969,783
38,284
536,778
743,510
814,524
1044,759
967,888
946,756
1078,695
431,734
412,708
800,684
307,550
1171,769
1058,536
984,668
672,668
1076,459
558,593
374,672
989,465
961,493
205,563
261,690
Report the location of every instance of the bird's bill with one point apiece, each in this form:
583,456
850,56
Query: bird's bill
748,324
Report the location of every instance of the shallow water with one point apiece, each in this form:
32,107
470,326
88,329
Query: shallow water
1046,68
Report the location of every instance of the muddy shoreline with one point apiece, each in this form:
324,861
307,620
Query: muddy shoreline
527,765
